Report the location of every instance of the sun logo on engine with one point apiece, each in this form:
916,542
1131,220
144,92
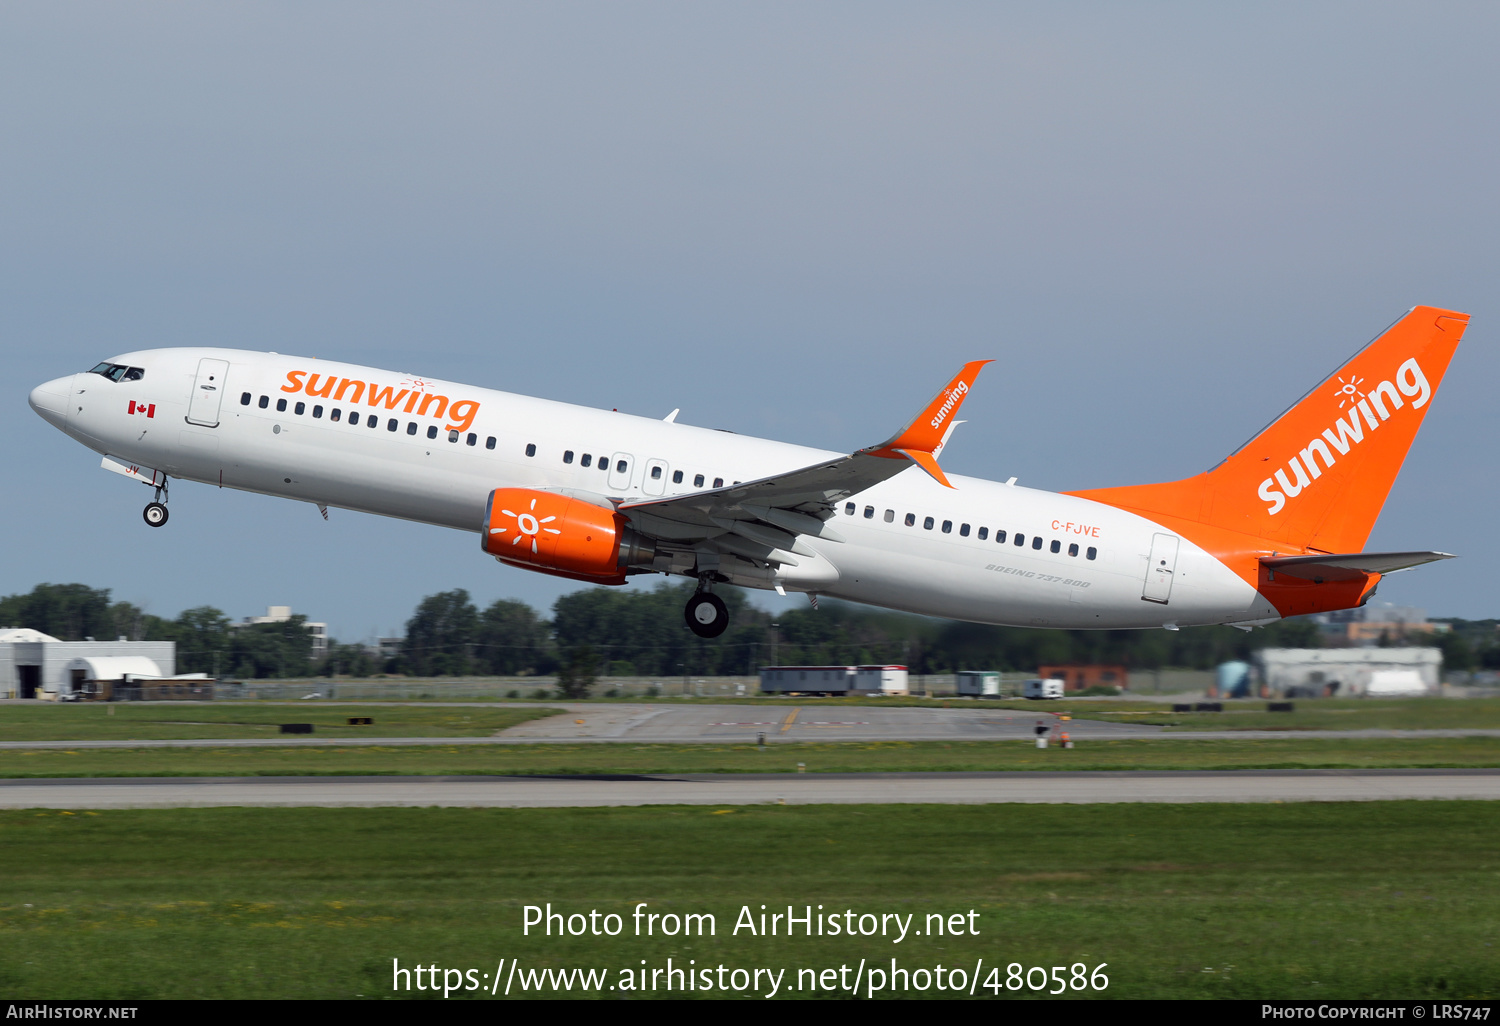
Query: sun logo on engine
527,526
1349,391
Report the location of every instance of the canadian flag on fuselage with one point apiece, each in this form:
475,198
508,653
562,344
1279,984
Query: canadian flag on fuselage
1316,479
149,411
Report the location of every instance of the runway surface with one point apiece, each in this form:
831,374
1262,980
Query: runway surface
588,723
730,790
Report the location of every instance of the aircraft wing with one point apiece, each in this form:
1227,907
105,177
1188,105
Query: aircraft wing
1335,567
762,519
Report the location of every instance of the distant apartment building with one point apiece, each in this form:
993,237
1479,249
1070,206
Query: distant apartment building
1378,623
281,614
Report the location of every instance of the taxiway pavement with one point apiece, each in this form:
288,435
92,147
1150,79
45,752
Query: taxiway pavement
757,789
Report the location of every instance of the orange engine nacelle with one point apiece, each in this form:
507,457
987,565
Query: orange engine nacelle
560,535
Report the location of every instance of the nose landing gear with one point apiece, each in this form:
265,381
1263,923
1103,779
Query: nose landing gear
155,513
706,614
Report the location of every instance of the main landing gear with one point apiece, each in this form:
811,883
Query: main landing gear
155,513
706,614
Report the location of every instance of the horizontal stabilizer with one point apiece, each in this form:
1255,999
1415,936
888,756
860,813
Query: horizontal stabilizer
1347,567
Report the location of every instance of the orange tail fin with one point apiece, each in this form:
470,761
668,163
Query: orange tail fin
1319,475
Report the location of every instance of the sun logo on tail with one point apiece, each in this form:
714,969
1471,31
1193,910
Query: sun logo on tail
1349,391
527,526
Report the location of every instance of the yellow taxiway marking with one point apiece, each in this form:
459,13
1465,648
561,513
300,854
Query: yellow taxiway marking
786,724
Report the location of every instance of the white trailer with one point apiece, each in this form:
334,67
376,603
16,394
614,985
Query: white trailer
978,683
1038,687
881,680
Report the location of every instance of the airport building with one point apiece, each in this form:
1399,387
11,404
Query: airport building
37,665
1348,672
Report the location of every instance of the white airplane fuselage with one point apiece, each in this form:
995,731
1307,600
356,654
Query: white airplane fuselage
909,543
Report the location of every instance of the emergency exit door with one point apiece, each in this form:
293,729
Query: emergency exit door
1161,568
208,393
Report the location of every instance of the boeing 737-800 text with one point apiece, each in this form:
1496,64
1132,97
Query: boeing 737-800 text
1274,530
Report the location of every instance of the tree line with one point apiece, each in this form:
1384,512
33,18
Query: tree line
630,632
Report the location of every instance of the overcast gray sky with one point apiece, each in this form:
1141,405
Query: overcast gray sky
1163,221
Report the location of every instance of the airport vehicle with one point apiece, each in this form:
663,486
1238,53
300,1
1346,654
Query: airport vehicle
1277,528
1037,687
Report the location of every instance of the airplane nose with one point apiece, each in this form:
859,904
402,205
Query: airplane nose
50,400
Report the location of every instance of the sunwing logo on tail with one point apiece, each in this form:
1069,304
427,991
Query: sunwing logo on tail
1366,409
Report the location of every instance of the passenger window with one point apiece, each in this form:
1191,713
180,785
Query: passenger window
317,413
411,427
1036,542
963,531
677,477
1020,540
911,520
489,443
354,420
656,473
244,398
621,466
927,524
999,537
452,435
718,482
471,439
697,480
432,431
392,424
299,409
603,462
984,533
530,447
869,512
1056,545
586,460
947,527
1092,552
890,516
281,406
568,456
373,421
265,401
334,415
848,509
1073,549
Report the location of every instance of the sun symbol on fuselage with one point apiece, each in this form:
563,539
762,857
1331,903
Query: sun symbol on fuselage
1349,391
416,384
527,526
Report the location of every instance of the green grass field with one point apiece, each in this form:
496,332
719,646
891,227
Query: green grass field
152,721
1298,901
835,757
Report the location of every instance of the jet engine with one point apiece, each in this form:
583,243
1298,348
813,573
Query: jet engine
560,535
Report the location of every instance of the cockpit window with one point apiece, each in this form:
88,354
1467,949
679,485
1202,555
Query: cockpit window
119,372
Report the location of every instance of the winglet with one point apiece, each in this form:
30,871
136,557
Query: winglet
927,463
924,436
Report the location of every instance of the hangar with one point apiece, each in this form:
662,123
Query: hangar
1345,672
37,665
